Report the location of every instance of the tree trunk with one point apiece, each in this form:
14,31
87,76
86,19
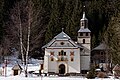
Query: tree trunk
20,33
28,35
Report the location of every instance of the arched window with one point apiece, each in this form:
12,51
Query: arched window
52,59
83,41
59,53
72,59
82,23
52,53
72,55
62,53
51,56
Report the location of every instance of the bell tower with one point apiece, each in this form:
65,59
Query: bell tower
84,34
84,39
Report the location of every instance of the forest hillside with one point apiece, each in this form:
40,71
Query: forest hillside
46,18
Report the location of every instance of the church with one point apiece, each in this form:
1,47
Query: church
64,56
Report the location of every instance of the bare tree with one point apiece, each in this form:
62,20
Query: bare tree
21,20
28,35
20,34
26,28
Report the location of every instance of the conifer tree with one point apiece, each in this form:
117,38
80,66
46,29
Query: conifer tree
112,39
1,18
53,26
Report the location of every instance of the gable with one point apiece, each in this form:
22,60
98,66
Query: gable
61,40
62,43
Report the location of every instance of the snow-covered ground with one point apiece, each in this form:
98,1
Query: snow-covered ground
49,78
36,67
35,77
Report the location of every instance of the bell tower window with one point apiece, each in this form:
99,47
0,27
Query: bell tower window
83,41
81,34
86,34
82,24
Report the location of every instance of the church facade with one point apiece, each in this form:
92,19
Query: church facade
63,55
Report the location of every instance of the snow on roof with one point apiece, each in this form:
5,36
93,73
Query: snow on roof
62,35
17,67
84,30
98,69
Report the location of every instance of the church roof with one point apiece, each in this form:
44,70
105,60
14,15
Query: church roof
84,30
102,46
62,35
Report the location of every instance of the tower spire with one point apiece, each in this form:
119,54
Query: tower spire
84,20
84,16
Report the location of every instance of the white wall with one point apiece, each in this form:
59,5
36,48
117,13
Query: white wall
54,65
85,62
75,65
87,42
46,58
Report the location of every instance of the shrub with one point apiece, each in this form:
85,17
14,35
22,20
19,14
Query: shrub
101,75
91,74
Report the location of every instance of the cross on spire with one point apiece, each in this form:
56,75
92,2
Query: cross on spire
84,20
83,12
62,29
84,8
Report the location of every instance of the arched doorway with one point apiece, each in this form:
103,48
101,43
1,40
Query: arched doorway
62,69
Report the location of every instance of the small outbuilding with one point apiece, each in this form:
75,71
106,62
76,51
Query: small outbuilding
17,69
116,70
100,57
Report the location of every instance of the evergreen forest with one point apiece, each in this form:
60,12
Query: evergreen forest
46,18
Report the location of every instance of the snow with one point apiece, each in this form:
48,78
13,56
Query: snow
49,78
35,67
35,77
